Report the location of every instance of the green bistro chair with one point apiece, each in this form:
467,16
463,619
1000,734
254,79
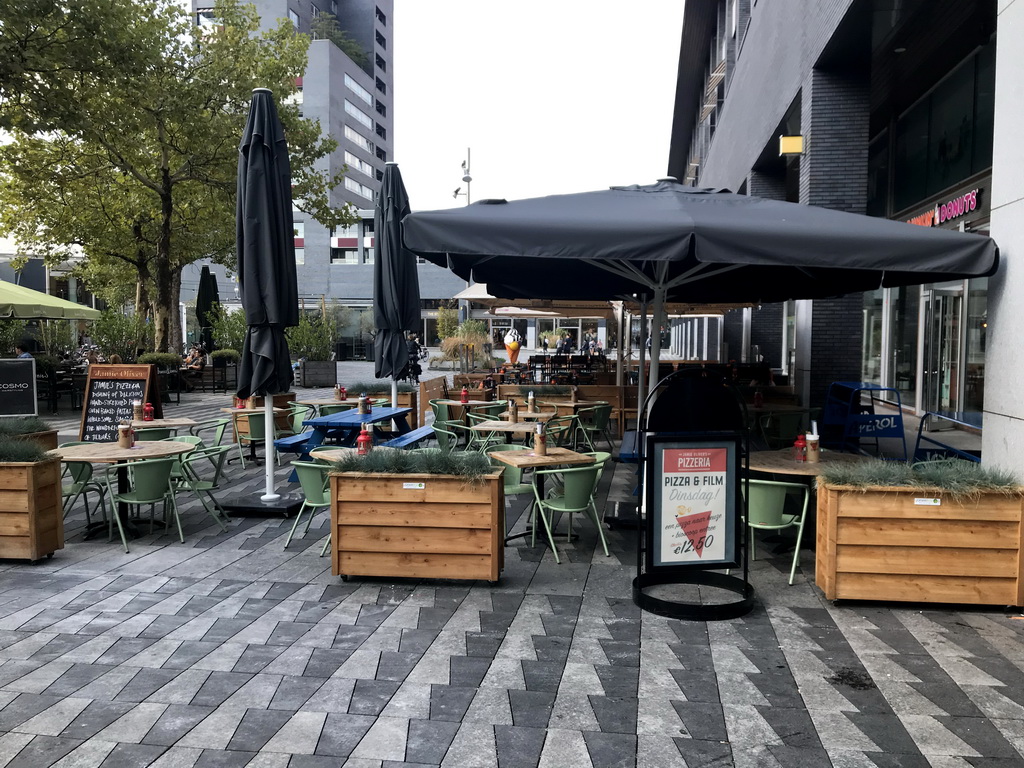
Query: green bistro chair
513,477
327,410
575,495
447,438
440,410
215,428
481,441
150,483
766,503
562,431
82,484
593,423
257,431
299,414
313,479
196,475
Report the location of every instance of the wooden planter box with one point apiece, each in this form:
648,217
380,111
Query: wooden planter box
897,544
318,373
31,511
47,440
417,526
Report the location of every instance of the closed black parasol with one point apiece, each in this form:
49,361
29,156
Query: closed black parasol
207,297
266,260
396,289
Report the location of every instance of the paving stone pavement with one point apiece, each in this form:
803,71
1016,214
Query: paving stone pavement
228,650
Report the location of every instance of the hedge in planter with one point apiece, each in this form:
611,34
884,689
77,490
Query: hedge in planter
31,513
30,428
946,532
417,514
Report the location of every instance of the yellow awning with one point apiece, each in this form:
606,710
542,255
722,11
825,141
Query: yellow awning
24,303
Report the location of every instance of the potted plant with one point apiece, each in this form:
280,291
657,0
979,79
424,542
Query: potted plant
30,500
30,428
311,342
164,361
417,514
945,531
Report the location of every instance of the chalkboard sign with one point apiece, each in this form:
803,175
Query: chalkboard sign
18,387
109,393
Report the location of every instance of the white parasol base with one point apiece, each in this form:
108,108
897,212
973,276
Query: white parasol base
268,426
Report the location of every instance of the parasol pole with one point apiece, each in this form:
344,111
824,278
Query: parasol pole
657,318
268,431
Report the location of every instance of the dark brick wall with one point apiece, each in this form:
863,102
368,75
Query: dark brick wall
766,324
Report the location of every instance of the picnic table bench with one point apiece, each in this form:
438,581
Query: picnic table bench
412,437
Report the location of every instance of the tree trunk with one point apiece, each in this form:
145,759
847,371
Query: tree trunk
166,304
177,332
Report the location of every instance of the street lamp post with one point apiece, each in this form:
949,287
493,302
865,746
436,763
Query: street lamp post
467,180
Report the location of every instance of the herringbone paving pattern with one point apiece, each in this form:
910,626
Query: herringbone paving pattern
228,650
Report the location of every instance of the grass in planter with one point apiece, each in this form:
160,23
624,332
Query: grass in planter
23,426
379,387
430,461
962,480
20,451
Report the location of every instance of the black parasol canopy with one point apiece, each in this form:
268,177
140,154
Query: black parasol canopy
396,289
266,250
689,245
207,296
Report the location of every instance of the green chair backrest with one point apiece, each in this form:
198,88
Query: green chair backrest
447,439
440,410
578,485
766,502
79,471
513,475
300,413
560,429
257,427
313,479
327,410
602,415
151,479
198,461
154,434
218,426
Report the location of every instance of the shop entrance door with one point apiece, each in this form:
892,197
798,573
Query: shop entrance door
943,348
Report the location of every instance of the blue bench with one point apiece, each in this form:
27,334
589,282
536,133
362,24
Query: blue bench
411,437
293,443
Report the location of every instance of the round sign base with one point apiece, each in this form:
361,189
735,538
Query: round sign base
694,611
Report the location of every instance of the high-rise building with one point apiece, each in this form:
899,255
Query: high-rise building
347,87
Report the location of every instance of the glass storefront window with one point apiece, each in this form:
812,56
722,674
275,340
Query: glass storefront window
950,129
878,176
871,352
911,161
977,331
905,303
984,108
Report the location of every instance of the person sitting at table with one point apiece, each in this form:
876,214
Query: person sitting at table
21,350
194,363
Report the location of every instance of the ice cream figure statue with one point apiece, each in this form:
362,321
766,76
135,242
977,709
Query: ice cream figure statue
513,340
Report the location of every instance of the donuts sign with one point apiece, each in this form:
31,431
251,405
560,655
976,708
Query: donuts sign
952,209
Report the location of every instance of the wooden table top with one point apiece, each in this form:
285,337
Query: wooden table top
525,415
776,408
528,459
781,462
241,411
332,454
109,453
164,423
330,401
467,404
516,427
571,404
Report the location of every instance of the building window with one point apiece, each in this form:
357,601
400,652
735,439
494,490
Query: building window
294,18
300,232
358,139
381,64
360,189
300,256
368,256
382,132
382,154
358,90
382,86
314,10
349,230
344,255
381,109
380,175
358,164
381,40
381,17
358,114
205,18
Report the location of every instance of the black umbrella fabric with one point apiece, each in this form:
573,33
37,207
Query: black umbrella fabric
693,245
266,250
396,289
207,296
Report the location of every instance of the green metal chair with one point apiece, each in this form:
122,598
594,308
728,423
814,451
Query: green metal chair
257,432
766,504
593,423
313,479
562,430
149,483
216,427
447,438
196,476
81,475
480,441
578,484
327,410
513,476
299,413
154,434
440,410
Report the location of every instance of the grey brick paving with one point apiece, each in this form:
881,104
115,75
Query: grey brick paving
229,651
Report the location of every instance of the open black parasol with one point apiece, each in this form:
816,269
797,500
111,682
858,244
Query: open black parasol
266,261
396,288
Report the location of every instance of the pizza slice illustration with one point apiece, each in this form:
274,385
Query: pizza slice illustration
694,526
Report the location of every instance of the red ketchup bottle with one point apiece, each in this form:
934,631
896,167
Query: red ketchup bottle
800,448
364,442
147,412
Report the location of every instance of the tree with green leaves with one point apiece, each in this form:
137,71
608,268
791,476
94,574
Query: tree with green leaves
129,157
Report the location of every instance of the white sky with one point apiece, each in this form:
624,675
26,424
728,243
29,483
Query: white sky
551,96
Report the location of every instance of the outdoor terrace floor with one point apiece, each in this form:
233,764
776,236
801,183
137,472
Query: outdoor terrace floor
229,651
